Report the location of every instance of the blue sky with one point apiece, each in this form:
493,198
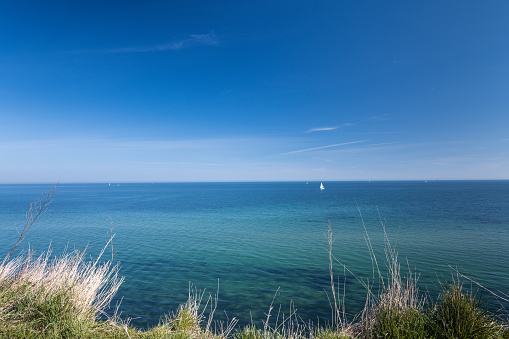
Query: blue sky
168,91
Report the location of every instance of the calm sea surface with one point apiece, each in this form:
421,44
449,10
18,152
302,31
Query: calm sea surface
256,238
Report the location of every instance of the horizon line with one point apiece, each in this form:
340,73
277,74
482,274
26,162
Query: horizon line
234,181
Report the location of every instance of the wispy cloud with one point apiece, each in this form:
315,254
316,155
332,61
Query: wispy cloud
382,117
320,147
192,40
196,39
381,144
399,132
169,163
323,159
320,129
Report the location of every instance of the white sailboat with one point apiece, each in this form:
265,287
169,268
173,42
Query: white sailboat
321,187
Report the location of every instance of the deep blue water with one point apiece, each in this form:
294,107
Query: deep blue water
254,238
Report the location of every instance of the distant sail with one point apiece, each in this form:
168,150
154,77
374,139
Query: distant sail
321,187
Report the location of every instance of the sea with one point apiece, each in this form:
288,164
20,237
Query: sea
262,247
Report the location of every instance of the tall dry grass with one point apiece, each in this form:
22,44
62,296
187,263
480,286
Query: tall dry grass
89,285
392,301
397,305
56,292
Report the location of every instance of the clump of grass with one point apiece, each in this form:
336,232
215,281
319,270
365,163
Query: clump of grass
60,295
189,316
194,319
397,310
47,296
462,314
394,309
391,323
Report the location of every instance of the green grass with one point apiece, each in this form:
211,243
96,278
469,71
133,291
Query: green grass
400,324
462,314
330,333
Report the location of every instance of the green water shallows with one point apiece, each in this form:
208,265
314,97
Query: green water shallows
257,237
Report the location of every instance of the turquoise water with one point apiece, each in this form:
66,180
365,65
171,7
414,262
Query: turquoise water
255,238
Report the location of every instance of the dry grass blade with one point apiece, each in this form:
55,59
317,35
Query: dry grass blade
36,210
90,285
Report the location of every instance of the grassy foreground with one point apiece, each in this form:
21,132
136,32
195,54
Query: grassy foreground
67,296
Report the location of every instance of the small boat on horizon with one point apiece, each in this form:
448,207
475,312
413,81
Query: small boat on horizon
321,187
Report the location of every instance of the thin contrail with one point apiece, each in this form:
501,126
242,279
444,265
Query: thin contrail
315,148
